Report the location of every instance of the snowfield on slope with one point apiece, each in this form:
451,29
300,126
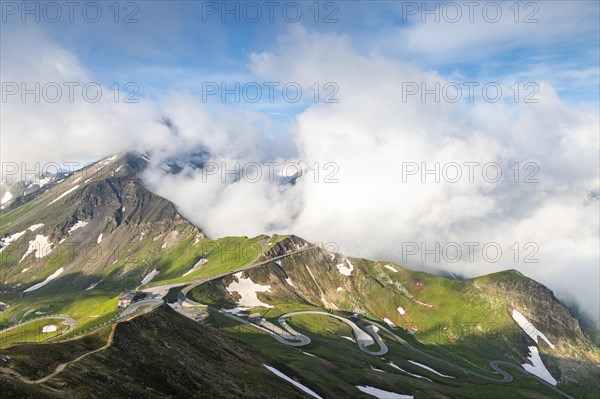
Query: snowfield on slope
150,276
16,236
530,329
40,245
9,239
78,225
247,291
404,371
538,367
6,197
344,269
34,227
69,191
92,286
393,269
201,262
46,281
381,394
49,328
430,369
304,388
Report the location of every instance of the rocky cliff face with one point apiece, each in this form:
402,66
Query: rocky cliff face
575,358
93,221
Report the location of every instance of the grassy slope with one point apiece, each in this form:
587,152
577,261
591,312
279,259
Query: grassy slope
465,325
196,361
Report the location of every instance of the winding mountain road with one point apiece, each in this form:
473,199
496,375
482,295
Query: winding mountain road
287,336
363,340
495,365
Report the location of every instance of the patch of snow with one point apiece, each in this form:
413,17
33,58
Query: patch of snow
430,369
24,270
99,240
69,191
6,197
331,256
247,291
381,394
303,388
409,373
46,281
35,226
119,168
92,286
308,354
40,245
538,367
339,289
76,180
376,369
111,158
49,328
529,328
289,281
344,269
201,262
401,311
348,338
150,276
11,238
44,181
86,181
14,237
389,322
391,268
78,225
196,240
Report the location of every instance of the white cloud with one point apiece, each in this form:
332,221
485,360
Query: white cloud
368,135
55,132
370,132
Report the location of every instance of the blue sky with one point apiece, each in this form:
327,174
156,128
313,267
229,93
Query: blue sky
175,41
